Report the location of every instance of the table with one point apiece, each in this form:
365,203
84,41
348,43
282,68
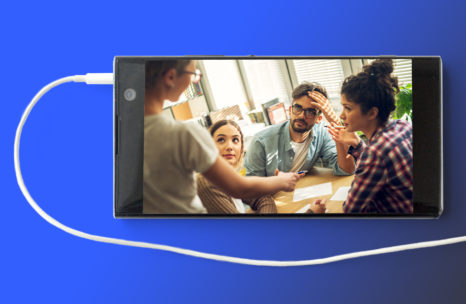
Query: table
284,200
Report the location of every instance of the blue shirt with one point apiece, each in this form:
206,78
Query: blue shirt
271,149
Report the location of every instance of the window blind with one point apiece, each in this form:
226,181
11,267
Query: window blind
403,70
266,81
327,72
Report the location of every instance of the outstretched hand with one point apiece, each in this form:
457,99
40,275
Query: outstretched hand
288,179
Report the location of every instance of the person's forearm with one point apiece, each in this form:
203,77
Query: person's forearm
224,177
265,185
331,116
256,186
344,162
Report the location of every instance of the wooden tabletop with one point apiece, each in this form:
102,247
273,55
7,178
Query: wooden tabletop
284,200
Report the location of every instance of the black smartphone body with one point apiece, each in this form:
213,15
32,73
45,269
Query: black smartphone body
259,95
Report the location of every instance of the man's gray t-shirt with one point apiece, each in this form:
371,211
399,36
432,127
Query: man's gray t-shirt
173,152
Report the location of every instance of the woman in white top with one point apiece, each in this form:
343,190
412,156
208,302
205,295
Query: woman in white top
174,151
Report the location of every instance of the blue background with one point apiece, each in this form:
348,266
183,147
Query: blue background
66,156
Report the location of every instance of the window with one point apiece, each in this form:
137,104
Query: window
255,82
403,69
265,80
225,83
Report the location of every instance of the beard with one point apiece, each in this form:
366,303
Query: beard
298,129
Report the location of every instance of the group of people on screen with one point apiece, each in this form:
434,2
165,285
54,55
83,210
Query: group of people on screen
188,169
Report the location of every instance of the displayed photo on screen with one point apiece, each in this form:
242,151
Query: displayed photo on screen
278,136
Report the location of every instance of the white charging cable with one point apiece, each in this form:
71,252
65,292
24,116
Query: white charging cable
107,78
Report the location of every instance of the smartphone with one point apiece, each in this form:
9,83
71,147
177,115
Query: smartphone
164,145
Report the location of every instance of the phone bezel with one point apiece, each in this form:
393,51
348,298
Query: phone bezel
427,138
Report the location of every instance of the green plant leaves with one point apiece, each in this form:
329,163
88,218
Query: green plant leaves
404,102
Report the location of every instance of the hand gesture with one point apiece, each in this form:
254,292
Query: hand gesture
340,135
323,104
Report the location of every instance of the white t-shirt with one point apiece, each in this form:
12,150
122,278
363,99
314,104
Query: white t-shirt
298,147
300,153
173,152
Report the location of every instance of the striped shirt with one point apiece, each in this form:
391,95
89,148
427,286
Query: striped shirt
217,202
383,181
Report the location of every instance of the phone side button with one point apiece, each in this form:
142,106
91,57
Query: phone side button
117,134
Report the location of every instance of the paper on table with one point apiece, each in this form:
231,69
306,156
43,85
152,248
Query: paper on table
304,209
341,194
312,191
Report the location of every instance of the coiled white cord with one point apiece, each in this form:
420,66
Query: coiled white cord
107,78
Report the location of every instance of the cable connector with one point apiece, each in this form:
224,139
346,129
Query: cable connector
95,78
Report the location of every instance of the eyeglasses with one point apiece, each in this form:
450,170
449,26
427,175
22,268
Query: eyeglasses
309,112
195,76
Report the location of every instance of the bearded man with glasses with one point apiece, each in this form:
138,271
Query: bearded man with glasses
301,142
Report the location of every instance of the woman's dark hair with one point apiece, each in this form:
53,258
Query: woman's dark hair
373,87
157,68
225,122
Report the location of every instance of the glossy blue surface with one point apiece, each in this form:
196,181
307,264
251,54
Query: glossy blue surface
66,156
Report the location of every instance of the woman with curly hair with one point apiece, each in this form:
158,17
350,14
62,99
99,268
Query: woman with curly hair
383,181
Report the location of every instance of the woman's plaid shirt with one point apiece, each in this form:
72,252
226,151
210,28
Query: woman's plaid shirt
383,181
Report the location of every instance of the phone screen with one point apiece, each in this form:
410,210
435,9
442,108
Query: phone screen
194,135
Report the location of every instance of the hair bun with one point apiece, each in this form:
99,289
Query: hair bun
380,68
